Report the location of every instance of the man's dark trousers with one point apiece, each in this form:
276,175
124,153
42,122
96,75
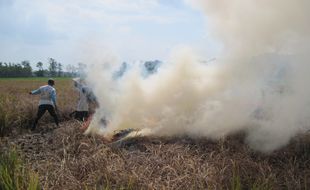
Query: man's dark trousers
42,109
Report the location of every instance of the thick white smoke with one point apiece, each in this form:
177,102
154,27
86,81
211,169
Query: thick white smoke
257,85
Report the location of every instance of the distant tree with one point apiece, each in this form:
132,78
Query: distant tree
16,70
26,70
120,72
25,63
2,70
59,68
81,69
52,67
71,69
40,65
40,72
150,67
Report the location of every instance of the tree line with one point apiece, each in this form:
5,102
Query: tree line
24,69
15,69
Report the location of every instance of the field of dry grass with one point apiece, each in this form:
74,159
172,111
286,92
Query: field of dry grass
18,108
64,158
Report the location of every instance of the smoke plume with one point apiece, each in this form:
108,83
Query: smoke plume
258,84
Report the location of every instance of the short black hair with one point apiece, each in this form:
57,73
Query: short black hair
51,82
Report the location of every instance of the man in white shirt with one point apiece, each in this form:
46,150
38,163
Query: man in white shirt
85,98
47,102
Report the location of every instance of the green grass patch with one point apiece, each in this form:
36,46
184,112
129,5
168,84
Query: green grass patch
14,175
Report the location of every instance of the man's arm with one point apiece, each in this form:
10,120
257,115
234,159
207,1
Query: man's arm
34,92
53,97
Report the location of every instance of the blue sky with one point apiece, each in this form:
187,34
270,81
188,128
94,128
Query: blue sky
131,29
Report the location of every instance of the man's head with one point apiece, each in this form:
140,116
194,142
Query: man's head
51,82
